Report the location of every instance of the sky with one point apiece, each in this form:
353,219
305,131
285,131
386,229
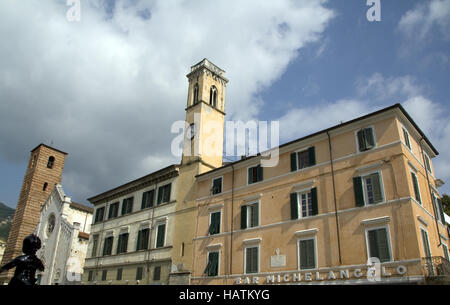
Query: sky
106,88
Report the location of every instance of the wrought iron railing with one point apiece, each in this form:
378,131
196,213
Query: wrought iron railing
436,266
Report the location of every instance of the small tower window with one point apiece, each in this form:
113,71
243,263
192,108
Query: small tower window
195,101
45,186
50,162
213,96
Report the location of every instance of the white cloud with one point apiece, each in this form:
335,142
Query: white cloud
108,88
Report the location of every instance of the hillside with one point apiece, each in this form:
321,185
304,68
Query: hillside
6,216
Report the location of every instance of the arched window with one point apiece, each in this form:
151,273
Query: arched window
50,162
45,186
195,100
213,96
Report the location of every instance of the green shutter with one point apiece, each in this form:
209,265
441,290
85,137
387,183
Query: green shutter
315,208
377,196
368,137
119,244
145,236
260,173
361,142
441,210
144,200
358,190
167,195
124,207
243,217
383,245
213,264
294,206
312,156
130,205
250,175
160,190
426,245
307,254
139,241
406,136
373,244
293,162
416,187
160,237
214,228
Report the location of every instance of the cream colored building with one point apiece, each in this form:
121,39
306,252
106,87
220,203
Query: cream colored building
63,228
362,189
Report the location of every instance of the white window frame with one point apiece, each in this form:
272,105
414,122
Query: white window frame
247,205
445,248
366,196
418,186
388,232
221,184
358,150
299,204
436,207
210,219
156,234
429,162
218,263
409,139
315,252
245,258
296,158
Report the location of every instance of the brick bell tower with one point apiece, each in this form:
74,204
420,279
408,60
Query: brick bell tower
43,172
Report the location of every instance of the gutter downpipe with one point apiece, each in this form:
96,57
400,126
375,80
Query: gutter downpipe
335,202
231,229
431,193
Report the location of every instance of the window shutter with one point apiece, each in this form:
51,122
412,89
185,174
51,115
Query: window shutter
315,208
160,238
294,206
243,217
369,139
152,198
441,210
406,136
254,215
376,188
119,244
307,257
124,207
260,172
358,190
361,142
144,200
293,162
160,190
312,156
139,241
213,263
416,187
426,245
145,236
167,195
383,247
373,244
250,175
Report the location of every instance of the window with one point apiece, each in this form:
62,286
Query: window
303,159
427,162
139,273
426,243
406,138
251,260
94,246
113,210
307,253
157,273
250,215
438,209
107,246
212,266
127,205
148,199
366,139
44,188
255,174
195,99
122,243
304,204
217,186
368,189
90,276
213,96
415,183
142,241
99,214
160,236
378,244
51,161
445,249
164,193
214,220
119,274
104,275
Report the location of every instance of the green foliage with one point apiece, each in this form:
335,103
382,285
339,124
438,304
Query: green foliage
446,203
5,213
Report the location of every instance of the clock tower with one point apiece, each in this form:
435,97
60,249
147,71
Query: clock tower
202,152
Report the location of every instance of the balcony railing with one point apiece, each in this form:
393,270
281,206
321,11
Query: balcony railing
436,266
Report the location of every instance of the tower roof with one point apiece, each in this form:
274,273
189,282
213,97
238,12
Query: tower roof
42,144
205,63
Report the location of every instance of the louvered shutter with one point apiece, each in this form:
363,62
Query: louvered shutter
441,210
294,206
369,139
243,217
311,156
160,237
416,187
293,162
377,195
361,142
358,190
314,203
260,173
160,194
139,241
144,200
250,175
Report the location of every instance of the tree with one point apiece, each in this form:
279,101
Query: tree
446,203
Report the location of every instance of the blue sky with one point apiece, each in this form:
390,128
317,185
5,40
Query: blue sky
98,88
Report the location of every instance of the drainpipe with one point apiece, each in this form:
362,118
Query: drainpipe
431,193
335,201
151,232
232,209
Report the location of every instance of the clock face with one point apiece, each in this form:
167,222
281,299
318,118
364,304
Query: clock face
190,133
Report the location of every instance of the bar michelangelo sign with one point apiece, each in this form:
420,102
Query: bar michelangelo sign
373,273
